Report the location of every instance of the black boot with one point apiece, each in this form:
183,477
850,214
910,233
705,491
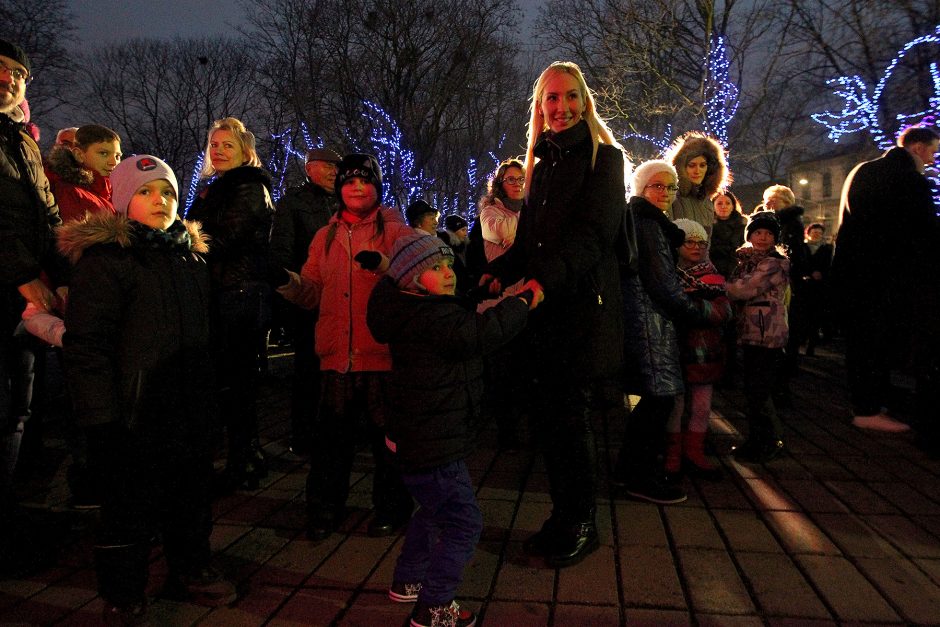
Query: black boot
575,542
542,542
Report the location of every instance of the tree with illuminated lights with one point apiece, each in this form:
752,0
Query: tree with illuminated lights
864,109
720,94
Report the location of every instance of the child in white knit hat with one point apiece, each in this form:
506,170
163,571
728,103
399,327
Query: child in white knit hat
139,372
437,341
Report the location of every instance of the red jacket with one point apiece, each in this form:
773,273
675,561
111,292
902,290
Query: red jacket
77,190
341,288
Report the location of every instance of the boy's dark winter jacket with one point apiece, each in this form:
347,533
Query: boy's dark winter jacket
137,326
437,345
727,237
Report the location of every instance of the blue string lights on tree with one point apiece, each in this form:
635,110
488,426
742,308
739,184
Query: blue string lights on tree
279,162
721,94
396,160
194,183
861,111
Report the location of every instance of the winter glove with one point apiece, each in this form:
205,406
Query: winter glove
368,259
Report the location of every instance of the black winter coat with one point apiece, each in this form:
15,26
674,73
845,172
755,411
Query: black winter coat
885,261
28,213
565,240
437,345
137,325
792,237
727,237
653,301
237,213
301,212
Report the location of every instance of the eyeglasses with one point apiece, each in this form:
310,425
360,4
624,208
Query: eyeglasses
16,73
515,180
695,243
659,187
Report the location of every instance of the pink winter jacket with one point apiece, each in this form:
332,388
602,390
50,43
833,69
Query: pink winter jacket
341,288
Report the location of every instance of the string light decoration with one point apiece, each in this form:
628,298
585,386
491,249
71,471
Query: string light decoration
402,181
194,183
279,162
861,110
661,143
721,94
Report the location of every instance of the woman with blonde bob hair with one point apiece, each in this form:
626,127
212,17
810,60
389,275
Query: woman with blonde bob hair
564,251
236,212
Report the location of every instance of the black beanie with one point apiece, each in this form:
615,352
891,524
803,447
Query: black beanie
763,220
454,223
361,165
16,53
415,210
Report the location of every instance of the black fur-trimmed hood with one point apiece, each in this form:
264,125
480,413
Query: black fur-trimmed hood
75,237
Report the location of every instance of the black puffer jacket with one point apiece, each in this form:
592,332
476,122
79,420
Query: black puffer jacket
237,212
137,324
727,237
28,212
301,212
792,236
653,301
565,240
437,345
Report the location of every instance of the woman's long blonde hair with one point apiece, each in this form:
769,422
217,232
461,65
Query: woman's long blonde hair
244,137
600,133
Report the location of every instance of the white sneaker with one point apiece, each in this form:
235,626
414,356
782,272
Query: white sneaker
880,422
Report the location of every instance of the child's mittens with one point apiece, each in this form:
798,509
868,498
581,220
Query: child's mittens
43,325
290,291
371,260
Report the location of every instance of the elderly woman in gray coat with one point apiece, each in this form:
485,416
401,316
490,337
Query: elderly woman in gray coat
653,301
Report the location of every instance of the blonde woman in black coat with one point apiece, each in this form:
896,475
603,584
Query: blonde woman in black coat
564,250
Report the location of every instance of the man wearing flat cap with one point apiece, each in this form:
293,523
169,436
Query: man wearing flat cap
302,212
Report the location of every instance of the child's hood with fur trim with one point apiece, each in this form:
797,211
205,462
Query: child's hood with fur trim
107,228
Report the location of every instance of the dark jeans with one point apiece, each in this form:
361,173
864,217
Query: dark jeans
760,368
305,395
565,434
149,486
351,409
243,315
442,534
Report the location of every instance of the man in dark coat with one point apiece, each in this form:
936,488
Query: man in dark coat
884,268
28,215
302,212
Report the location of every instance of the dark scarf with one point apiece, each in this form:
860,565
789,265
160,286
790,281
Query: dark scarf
175,238
512,205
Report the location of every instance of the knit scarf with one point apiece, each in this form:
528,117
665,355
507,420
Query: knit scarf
175,238
689,277
513,205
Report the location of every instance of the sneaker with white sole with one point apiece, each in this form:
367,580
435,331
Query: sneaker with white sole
880,422
402,592
448,615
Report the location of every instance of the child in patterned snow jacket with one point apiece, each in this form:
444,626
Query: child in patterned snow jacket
759,286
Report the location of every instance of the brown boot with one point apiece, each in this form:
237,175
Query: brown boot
673,453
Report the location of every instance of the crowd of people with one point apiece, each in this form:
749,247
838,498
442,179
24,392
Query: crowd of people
565,284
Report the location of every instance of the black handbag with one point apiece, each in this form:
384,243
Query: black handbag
625,245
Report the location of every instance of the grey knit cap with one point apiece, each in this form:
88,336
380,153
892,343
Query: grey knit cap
412,255
133,172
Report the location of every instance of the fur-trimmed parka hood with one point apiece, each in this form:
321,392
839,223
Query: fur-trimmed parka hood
108,228
694,144
61,162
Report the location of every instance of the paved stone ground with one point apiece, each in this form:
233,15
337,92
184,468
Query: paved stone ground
845,529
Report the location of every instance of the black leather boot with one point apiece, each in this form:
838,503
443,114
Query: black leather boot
574,542
542,542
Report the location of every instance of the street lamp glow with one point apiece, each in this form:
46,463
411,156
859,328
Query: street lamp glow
803,182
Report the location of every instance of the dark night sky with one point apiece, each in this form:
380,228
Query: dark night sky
116,20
